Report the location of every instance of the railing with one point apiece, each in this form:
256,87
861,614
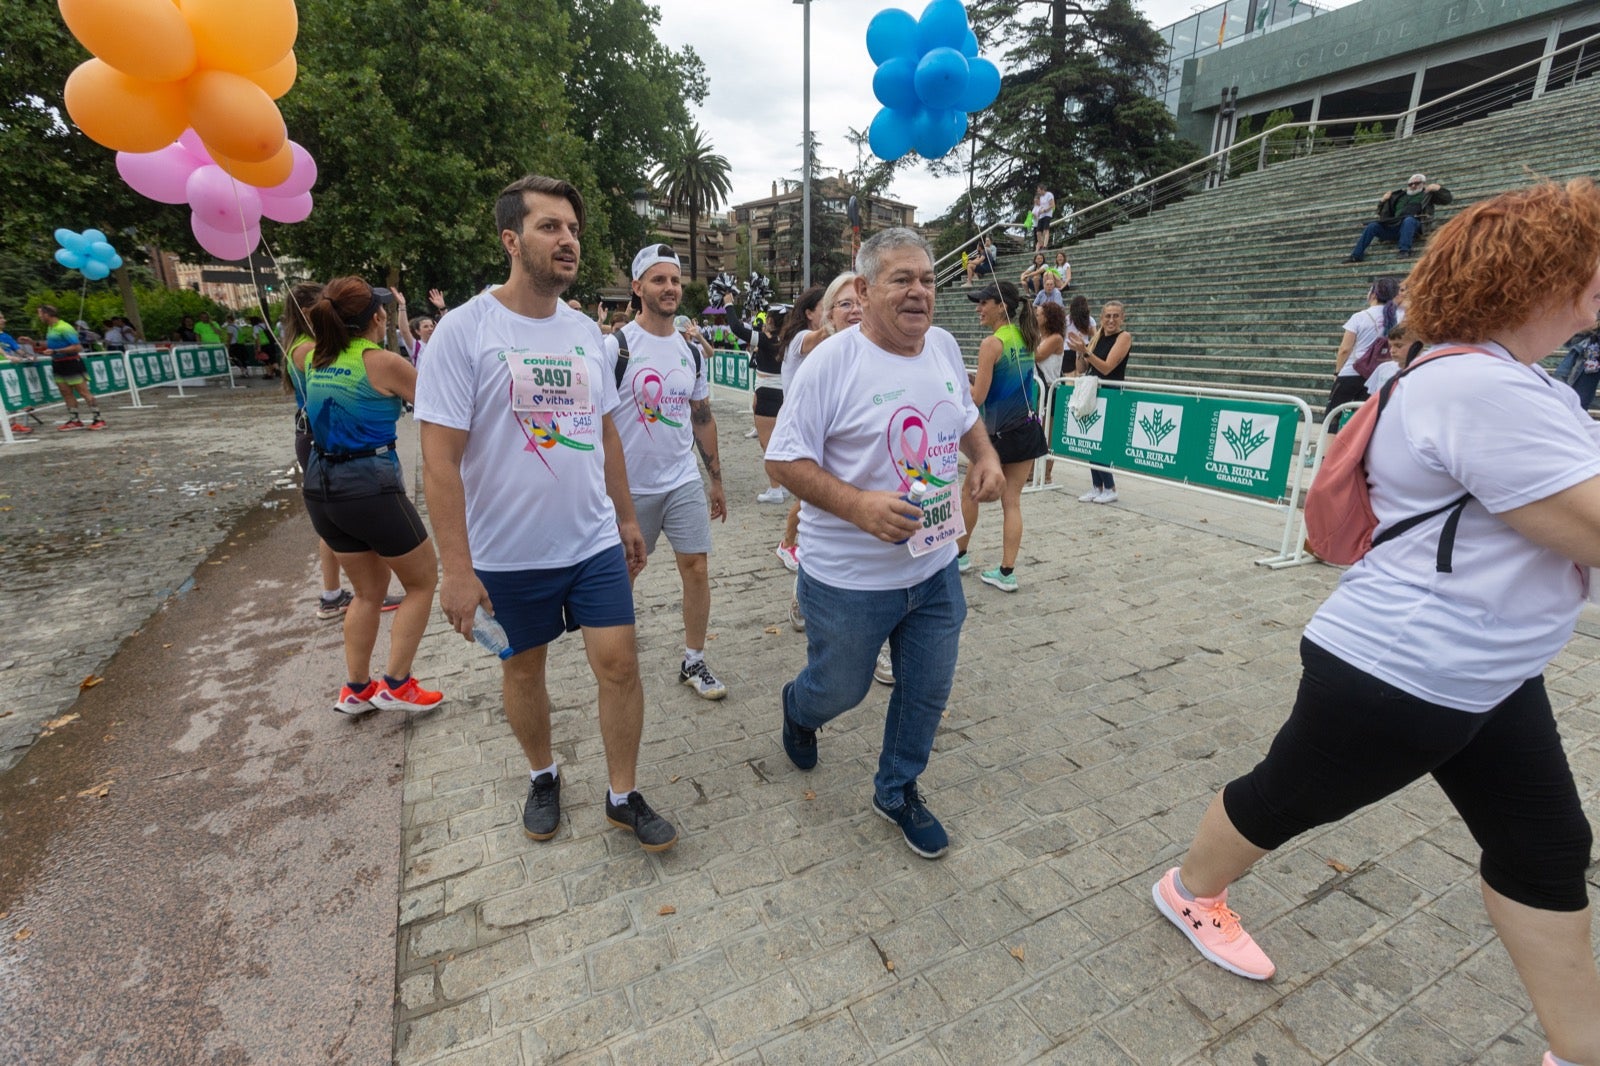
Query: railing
1147,196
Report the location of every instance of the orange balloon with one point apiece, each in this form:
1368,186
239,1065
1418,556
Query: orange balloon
146,39
125,114
234,116
278,78
241,35
274,171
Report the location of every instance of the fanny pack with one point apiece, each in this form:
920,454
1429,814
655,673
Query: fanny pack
345,457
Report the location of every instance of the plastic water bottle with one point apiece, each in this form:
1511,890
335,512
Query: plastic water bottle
491,634
914,496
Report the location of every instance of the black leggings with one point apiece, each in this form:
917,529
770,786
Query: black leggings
1352,740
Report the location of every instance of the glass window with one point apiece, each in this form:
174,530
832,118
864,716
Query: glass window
1183,38
1210,24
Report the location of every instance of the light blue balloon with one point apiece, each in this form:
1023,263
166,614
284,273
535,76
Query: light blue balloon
894,83
889,136
93,235
958,127
102,251
943,25
932,134
72,242
941,79
69,259
969,45
983,85
94,270
891,33
115,262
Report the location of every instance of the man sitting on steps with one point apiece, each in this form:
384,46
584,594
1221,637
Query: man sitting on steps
1401,216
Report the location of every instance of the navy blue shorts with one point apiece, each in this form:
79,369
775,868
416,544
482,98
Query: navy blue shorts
537,606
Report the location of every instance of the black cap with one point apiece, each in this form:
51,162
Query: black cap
996,291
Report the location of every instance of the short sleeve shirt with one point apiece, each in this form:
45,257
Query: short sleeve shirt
874,420
1367,325
658,385
535,481
1510,435
1045,205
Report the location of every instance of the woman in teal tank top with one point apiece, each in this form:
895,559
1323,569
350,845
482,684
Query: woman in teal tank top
354,488
1006,390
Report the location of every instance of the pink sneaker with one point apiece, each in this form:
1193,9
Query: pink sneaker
408,697
790,556
1212,928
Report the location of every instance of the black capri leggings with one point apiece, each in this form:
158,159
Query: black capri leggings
1353,739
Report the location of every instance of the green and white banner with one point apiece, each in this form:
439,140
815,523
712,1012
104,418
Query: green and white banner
730,369
1234,445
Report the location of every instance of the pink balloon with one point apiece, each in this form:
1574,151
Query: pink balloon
223,244
300,179
160,176
286,208
196,147
222,203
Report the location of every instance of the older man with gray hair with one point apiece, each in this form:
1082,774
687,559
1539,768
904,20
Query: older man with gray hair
868,440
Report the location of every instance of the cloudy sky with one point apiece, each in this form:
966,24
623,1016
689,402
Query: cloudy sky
753,51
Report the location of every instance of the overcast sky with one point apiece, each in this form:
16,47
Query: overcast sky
753,51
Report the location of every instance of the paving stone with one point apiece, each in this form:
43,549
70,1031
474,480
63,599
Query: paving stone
1000,1032
1159,1027
1469,1012
682,988
769,950
579,1028
524,907
506,1051
454,932
1093,1046
742,1019
472,970
686,1041
898,1014
537,994
1409,1037
430,1035
832,1041
1257,1042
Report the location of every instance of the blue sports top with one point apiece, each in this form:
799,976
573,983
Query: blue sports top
1010,399
345,412
297,373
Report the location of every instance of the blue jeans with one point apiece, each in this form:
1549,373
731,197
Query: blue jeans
844,630
1583,383
1101,477
1403,231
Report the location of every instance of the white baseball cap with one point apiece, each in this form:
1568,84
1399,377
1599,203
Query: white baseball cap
652,254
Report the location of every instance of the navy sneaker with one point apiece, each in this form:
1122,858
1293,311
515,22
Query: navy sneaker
541,815
654,832
799,743
924,835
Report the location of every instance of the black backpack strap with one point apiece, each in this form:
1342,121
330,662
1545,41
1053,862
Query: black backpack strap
622,354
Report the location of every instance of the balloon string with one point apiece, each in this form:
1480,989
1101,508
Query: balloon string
83,296
277,268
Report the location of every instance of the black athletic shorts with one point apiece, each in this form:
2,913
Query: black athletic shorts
1022,443
361,505
769,402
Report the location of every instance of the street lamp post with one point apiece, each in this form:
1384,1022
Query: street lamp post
805,148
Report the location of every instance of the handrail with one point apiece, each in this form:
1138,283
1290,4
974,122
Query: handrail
1200,165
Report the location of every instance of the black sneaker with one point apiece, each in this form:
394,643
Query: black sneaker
655,833
541,815
1352,259
700,678
924,835
799,743
329,609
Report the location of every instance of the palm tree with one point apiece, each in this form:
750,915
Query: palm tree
695,180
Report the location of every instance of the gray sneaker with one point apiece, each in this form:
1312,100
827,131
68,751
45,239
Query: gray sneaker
541,815
655,833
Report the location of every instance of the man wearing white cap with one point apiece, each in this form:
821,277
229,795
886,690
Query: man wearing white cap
1401,216
666,415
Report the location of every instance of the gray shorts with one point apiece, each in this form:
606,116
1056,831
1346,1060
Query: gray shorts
682,513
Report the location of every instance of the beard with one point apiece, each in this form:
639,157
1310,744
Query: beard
546,276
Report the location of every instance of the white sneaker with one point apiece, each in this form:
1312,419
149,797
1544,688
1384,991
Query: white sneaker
750,434
796,618
700,678
883,672
773,495
1092,496
790,556
1106,496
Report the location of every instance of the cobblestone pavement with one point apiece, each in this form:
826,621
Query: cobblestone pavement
98,529
1144,662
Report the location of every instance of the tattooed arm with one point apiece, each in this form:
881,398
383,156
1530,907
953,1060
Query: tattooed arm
705,440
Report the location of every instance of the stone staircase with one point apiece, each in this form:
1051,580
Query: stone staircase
1242,286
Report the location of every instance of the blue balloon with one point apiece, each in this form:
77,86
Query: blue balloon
115,262
959,127
969,45
933,133
889,136
894,83
102,251
94,270
92,235
69,259
72,242
983,85
943,25
941,79
891,33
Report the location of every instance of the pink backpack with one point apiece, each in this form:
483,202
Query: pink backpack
1339,520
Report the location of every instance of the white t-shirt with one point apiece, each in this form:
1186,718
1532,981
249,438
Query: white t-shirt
1044,205
1380,377
1509,435
535,484
1367,325
868,417
1074,332
654,424
792,357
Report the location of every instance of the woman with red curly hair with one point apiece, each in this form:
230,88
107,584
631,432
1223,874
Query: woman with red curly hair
1427,658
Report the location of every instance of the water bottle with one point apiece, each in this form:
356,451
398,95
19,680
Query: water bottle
914,496
681,323
491,634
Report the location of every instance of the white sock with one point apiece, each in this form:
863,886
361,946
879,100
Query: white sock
1177,883
692,656
553,770
331,594
617,799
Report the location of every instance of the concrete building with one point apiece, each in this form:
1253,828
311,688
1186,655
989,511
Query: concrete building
1222,26
774,228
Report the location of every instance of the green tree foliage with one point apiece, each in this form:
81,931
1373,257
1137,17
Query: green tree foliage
1073,111
693,179
161,309
629,91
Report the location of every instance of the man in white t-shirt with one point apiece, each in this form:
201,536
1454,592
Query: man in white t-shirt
529,496
665,416
874,419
